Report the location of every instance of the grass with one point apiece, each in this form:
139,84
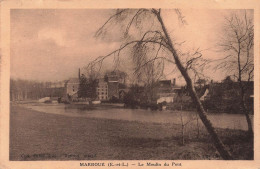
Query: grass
41,136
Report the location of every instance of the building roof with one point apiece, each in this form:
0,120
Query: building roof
112,79
73,80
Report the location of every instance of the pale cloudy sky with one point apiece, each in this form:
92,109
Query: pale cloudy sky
50,45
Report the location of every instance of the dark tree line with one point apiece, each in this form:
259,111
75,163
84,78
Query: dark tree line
29,90
225,97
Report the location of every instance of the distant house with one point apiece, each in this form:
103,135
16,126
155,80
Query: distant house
113,85
167,91
102,90
72,87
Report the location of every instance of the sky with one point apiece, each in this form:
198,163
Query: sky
51,45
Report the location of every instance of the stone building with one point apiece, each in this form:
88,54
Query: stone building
102,90
167,91
113,85
72,87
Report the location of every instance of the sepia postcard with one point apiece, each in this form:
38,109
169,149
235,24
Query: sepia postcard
129,84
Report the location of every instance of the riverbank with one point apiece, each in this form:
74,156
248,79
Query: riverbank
105,105
39,136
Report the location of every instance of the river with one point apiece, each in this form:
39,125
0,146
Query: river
220,120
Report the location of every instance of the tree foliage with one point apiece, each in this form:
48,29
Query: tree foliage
87,87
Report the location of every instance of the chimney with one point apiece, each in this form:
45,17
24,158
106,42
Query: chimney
79,73
174,82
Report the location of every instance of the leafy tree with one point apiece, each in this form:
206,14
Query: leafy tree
87,87
91,88
134,96
83,87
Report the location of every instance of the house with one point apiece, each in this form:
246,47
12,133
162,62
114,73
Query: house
167,91
102,90
113,85
110,87
72,87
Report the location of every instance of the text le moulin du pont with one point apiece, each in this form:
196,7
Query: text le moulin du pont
126,164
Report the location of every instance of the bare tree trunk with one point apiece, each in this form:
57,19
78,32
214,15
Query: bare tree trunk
249,123
218,143
246,113
182,129
198,126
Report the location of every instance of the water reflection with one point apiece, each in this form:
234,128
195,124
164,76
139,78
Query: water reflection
222,120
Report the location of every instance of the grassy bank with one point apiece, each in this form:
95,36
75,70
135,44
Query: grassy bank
41,136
